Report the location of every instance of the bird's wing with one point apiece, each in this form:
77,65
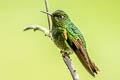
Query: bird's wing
74,41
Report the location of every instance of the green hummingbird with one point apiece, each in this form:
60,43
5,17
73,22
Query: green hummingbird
68,38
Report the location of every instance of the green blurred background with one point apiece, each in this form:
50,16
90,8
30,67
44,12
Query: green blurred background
32,56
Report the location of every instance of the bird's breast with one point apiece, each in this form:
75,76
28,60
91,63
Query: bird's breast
59,40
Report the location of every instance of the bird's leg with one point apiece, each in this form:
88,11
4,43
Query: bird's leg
70,52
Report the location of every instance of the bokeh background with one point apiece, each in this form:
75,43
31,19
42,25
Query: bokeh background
32,56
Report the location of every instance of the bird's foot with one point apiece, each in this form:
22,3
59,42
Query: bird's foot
65,54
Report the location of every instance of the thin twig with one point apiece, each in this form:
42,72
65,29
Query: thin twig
40,28
48,16
49,19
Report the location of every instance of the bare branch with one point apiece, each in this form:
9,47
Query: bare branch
48,16
49,19
35,28
70,66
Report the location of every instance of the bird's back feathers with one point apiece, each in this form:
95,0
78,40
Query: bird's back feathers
76,43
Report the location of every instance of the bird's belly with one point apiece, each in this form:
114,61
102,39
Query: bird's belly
61,43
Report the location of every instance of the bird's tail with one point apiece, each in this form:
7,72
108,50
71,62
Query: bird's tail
86,62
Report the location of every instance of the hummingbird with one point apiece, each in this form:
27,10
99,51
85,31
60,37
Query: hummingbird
68,38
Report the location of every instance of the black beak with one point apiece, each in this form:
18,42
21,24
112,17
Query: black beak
46,13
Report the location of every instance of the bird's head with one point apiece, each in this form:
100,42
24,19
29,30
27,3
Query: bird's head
59,17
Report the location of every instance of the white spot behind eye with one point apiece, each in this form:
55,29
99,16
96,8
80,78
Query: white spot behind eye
62,16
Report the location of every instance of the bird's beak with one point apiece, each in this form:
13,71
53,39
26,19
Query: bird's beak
46,13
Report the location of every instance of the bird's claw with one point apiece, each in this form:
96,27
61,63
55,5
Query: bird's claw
64,54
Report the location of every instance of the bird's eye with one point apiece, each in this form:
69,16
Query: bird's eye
60,16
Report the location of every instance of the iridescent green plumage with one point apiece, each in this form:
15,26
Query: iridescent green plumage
68,38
